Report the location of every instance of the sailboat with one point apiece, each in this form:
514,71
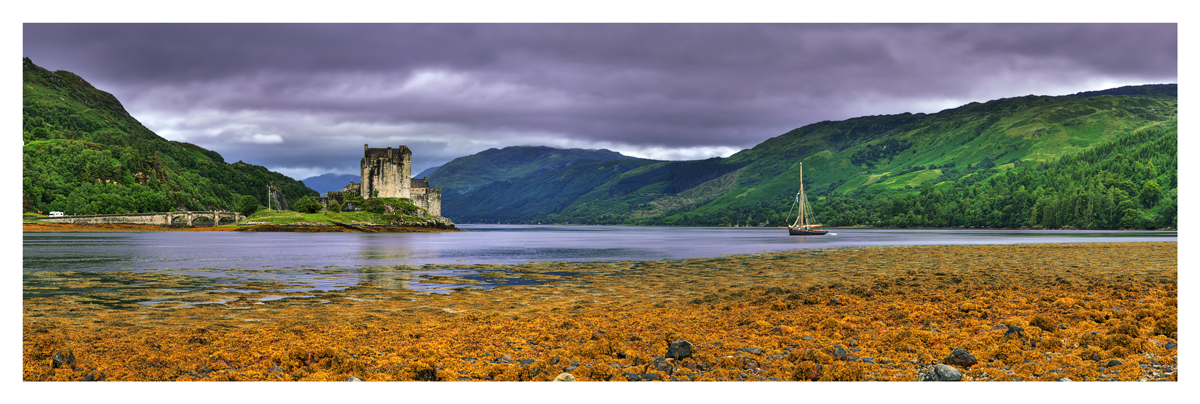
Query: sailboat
803,225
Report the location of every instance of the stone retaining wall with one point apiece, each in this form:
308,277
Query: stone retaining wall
161,219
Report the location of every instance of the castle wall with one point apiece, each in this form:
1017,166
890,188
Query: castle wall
428,198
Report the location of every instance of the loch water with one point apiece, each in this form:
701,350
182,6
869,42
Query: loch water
106,263
487,244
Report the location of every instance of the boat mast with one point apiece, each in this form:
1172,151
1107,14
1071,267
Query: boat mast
802,198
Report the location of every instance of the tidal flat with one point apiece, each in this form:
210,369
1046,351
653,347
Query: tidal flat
1044,312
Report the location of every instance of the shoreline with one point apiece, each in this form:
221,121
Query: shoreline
49,227
1090,311
46,227
847,227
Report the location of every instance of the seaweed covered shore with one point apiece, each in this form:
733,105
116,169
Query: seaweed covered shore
1080,312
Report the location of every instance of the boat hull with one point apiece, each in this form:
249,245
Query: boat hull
795,231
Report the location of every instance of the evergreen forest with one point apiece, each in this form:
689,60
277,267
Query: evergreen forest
83,153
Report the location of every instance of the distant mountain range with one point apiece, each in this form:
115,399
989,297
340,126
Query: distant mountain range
330,182
1104,159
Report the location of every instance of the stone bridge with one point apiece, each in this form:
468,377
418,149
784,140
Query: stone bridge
161,218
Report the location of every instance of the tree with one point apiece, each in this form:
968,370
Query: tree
307,204
248,205
334,206
1150,194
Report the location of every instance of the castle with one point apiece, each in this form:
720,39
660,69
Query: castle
386,174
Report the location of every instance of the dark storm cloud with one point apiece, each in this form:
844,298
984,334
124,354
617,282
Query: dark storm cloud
302,98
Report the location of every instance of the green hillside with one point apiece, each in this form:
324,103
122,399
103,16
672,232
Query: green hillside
1095,159
84,154
464,174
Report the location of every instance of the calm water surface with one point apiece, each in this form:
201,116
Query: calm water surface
485,244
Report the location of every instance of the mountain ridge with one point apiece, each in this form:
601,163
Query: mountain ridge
888,155
330,182
470,172
83,153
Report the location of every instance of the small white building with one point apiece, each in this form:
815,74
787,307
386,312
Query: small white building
56,214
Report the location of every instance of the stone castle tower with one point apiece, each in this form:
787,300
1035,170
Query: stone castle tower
386,173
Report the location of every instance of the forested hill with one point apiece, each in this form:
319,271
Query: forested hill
84,154
470,172
1100,159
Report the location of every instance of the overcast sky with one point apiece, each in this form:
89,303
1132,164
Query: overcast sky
302,99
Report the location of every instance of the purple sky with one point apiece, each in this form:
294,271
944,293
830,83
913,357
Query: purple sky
302,99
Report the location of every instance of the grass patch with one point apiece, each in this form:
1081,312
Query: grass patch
325,217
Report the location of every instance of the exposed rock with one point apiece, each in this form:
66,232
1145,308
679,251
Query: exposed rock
1014,331
839,352
960,357
679,350
752,350
1112,363
633,377
941,373
947,373
564,377
353,379
1170,345
63,358
527,362
597,335
650,377
663,365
